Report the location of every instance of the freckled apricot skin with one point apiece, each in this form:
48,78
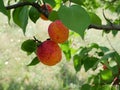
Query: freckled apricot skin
58,32
49,53
49,7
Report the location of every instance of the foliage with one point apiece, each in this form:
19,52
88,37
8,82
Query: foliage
77,15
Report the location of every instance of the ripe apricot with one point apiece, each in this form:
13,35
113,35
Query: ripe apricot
49,53
58,32
49,8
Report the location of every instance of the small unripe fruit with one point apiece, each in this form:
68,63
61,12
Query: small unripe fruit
58,32
49,8
49,53
105,67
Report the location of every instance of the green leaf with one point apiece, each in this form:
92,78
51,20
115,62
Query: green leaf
66,50
53,16
104,49
89,62
115,69
85,87
105,87
35,61
20,17
106,75
80,2
77,62
95,19
31,0
114,32
58,4
118,9
84,51
94,45
113,55
96,87
51,2
2,8
107,56
116,57
34,14
64,1
100,53
114,88
75,18
97,80
29,46
67,55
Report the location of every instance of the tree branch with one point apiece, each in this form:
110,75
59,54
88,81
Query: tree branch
105,27
43,11
18,5
34,4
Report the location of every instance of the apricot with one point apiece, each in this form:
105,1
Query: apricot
58,32
49,53
49,8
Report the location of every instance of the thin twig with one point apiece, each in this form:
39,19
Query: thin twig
107,18
36,40
110,43
114,80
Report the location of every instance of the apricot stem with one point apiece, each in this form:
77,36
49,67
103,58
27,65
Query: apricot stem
37,41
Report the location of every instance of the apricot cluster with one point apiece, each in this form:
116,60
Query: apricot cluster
49,52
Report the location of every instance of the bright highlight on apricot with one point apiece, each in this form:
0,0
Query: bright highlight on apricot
58,32
49,53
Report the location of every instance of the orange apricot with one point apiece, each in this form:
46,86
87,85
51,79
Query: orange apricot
49,53
49,8
58,32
